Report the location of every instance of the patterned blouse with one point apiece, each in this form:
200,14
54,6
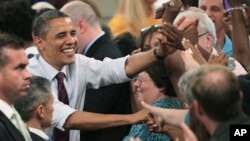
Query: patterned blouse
141,130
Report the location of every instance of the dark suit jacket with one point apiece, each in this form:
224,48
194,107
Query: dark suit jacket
112,99
36,137
8,131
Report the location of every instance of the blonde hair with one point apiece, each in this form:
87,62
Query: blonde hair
134,11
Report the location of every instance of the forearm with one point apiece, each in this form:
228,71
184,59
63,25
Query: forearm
92,121
139,62
240,38
174,116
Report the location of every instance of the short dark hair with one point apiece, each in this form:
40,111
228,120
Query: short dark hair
126,42
220,100
39,93
160,77
145,32
16,18
41,22
8,41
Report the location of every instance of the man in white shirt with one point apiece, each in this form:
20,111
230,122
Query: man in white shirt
37,107
55,37
14,84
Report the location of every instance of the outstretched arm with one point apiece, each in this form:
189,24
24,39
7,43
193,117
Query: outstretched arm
240,38
168,116
92,121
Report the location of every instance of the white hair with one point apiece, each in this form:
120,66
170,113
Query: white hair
205,23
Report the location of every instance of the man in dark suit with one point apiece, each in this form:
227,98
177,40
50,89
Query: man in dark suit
93,42
37,107
14,82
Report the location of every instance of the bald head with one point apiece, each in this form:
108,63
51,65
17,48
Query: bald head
218,92
78,10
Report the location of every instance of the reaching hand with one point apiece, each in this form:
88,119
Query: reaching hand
172,9
192,56
166,116
221,59
173,36
188,133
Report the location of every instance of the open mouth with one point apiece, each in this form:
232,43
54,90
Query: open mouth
68,50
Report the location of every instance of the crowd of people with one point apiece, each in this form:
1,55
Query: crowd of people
176,72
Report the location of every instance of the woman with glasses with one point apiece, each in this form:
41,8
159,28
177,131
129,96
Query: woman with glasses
153,87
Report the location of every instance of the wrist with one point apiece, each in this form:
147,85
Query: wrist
157,55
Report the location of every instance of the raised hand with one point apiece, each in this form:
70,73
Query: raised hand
192,34
221,59
172,9
191,57
173,36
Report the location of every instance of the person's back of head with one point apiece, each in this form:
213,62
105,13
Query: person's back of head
94,6
218,92
78,10
38,104
16,18
126,42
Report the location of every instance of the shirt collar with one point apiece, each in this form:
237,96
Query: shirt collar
7,109
92,42
39,133
52,72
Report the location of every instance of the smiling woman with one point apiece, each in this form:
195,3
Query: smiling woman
154,87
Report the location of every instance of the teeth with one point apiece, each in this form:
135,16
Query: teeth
69,50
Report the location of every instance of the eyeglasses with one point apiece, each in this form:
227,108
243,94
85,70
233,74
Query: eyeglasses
140,80
202,34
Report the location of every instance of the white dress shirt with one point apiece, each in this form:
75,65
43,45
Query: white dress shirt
83,73
39,133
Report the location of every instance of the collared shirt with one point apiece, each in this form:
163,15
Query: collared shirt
92,42
39,133
83,73
228,47
6,109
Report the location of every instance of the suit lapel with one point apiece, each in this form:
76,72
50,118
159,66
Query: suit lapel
14,132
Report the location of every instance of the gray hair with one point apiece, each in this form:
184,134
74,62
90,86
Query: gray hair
205,23
39,93
40,24
78,10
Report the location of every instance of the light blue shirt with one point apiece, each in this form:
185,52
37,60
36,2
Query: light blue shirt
228,47
82,74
